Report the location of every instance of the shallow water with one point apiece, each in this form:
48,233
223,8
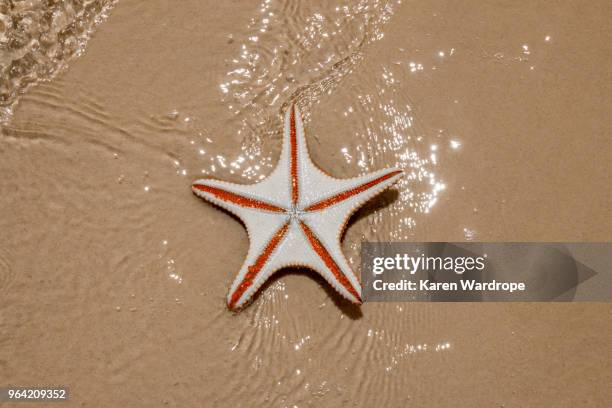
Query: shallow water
113,276
38,38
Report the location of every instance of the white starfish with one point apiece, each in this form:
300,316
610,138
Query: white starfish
295,217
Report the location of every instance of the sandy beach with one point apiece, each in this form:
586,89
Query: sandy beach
113,275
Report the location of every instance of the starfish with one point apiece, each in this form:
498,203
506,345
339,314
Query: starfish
295,216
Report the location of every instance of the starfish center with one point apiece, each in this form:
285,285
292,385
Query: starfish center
295,213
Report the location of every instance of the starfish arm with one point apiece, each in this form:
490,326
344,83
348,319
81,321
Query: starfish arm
296,147
233,197
358,189
336,269
257,268
309,179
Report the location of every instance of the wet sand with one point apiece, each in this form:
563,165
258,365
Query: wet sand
113,275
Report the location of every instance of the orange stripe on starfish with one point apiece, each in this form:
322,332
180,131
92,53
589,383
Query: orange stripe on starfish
329,261
349,193
234,198
254,269
295,192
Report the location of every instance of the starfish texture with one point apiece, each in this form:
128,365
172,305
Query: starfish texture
295,216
